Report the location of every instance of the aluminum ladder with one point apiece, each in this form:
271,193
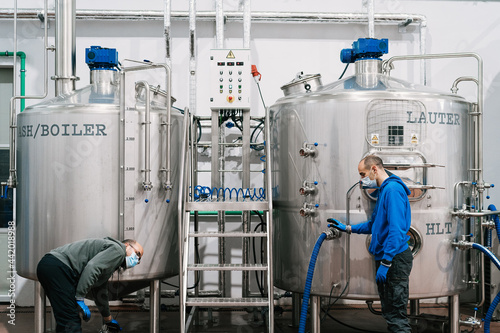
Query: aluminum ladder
188,204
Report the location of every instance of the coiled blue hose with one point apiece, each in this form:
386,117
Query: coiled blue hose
496,219
494,304
307,288
223,193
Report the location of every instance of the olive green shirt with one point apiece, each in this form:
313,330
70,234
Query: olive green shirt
94,260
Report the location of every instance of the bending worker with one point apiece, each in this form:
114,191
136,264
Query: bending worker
388,226
71,271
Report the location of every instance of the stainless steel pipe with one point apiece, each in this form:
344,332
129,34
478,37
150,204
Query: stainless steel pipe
65,46
147,136
39,308
154,303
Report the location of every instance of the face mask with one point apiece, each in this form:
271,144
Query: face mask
369,183
132,260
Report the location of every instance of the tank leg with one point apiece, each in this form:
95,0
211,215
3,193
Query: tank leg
295,310
154,306
39,308
454,313
315,314
414,307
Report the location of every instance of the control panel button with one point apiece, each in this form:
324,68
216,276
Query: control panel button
230,98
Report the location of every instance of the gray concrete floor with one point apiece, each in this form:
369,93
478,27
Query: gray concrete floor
133,319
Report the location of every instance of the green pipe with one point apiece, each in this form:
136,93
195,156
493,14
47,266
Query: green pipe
21,56
229,212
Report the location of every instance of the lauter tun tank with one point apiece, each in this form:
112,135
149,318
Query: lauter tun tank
319,133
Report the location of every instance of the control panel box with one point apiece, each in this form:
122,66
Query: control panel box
230,79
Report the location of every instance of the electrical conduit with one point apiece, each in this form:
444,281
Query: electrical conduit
307,288
495,302
22,57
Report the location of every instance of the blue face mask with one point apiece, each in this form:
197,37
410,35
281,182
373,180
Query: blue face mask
132,260
368,183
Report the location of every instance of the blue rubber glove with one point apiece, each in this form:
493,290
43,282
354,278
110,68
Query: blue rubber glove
113,326
382,274
337,224
84,310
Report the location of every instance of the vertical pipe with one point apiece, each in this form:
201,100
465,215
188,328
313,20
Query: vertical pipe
121,160
371,19
65,46
245,183
219,24
147,136
315,314
247,23
423,50
167,10
39,308
154,302
454,313
269,225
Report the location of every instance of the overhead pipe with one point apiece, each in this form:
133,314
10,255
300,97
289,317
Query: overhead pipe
65,38
230,16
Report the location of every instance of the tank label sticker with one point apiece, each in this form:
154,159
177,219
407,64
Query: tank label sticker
375,139
54,130
437,229
442,118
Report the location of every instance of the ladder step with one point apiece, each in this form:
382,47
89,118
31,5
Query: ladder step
227,234
227,267
226,302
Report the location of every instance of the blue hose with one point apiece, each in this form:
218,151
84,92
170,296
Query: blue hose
496,219
307,288
494,304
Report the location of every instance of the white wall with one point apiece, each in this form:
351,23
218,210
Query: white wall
282,50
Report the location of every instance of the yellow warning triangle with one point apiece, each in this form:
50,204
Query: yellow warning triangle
230,55
374,137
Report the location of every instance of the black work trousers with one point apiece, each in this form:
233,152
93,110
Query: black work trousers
394,293
59,283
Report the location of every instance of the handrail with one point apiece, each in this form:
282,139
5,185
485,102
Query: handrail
182,233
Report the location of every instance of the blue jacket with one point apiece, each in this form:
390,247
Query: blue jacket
390,222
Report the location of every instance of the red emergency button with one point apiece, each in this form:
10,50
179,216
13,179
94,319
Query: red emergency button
230,98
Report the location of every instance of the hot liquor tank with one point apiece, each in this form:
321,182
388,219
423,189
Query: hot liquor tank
319,133
69,176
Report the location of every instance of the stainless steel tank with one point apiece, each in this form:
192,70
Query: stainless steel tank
318,137
69,176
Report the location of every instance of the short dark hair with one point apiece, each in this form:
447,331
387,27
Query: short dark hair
130,241
373,160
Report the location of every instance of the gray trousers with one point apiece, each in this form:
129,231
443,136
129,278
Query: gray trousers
394,293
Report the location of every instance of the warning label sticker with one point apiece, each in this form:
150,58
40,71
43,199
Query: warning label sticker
230,55
375,139
414,139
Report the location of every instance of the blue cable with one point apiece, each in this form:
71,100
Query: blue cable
493,304
307,288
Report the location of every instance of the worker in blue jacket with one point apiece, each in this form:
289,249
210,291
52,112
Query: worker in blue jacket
70,272
389,225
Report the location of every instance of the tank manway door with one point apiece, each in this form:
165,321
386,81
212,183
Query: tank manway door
230,79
